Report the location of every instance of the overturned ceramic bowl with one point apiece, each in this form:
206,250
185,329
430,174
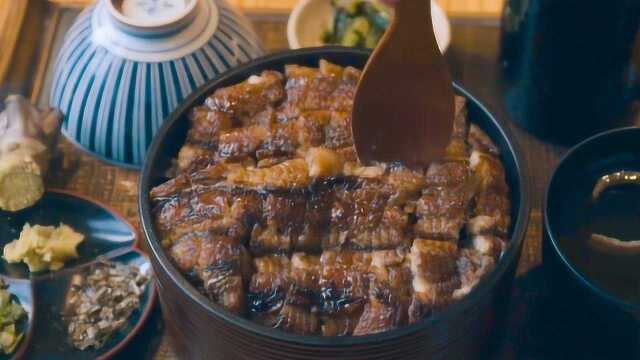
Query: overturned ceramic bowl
127,64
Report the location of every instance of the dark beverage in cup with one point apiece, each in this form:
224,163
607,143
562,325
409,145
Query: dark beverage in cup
569,66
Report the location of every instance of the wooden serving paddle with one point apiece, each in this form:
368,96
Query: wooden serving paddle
404,105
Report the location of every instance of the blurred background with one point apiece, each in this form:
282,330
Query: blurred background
477,8
29,28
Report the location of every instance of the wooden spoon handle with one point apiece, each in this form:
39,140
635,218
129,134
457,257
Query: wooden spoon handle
412,21
406,12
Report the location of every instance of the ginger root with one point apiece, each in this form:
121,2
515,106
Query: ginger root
43,247
28,137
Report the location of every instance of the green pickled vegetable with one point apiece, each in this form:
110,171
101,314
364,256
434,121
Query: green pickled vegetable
361,25
356,33
350,6
5,299
379,19
10,314
372,39
351,39
357,23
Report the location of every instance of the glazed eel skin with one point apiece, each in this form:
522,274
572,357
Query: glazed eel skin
269,213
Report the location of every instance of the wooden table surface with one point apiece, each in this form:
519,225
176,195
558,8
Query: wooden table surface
472,57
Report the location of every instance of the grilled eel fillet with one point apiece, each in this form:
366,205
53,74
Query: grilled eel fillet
271,215
220,263
389,293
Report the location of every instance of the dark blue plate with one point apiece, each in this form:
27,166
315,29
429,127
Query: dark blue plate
42,294
104,230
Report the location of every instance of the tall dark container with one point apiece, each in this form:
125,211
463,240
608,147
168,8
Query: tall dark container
568,63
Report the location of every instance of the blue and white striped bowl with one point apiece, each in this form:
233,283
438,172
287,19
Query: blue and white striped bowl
116,82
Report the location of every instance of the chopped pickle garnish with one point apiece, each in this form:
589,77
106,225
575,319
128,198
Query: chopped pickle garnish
10,313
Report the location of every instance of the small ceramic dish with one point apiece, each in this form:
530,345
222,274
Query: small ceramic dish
42,294
311,18
117,77
591,307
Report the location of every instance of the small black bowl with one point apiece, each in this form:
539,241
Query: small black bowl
202,329
595,323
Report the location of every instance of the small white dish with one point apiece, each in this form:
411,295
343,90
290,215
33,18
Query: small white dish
311,18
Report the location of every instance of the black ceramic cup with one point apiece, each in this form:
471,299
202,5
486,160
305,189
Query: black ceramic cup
204,330
593,322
